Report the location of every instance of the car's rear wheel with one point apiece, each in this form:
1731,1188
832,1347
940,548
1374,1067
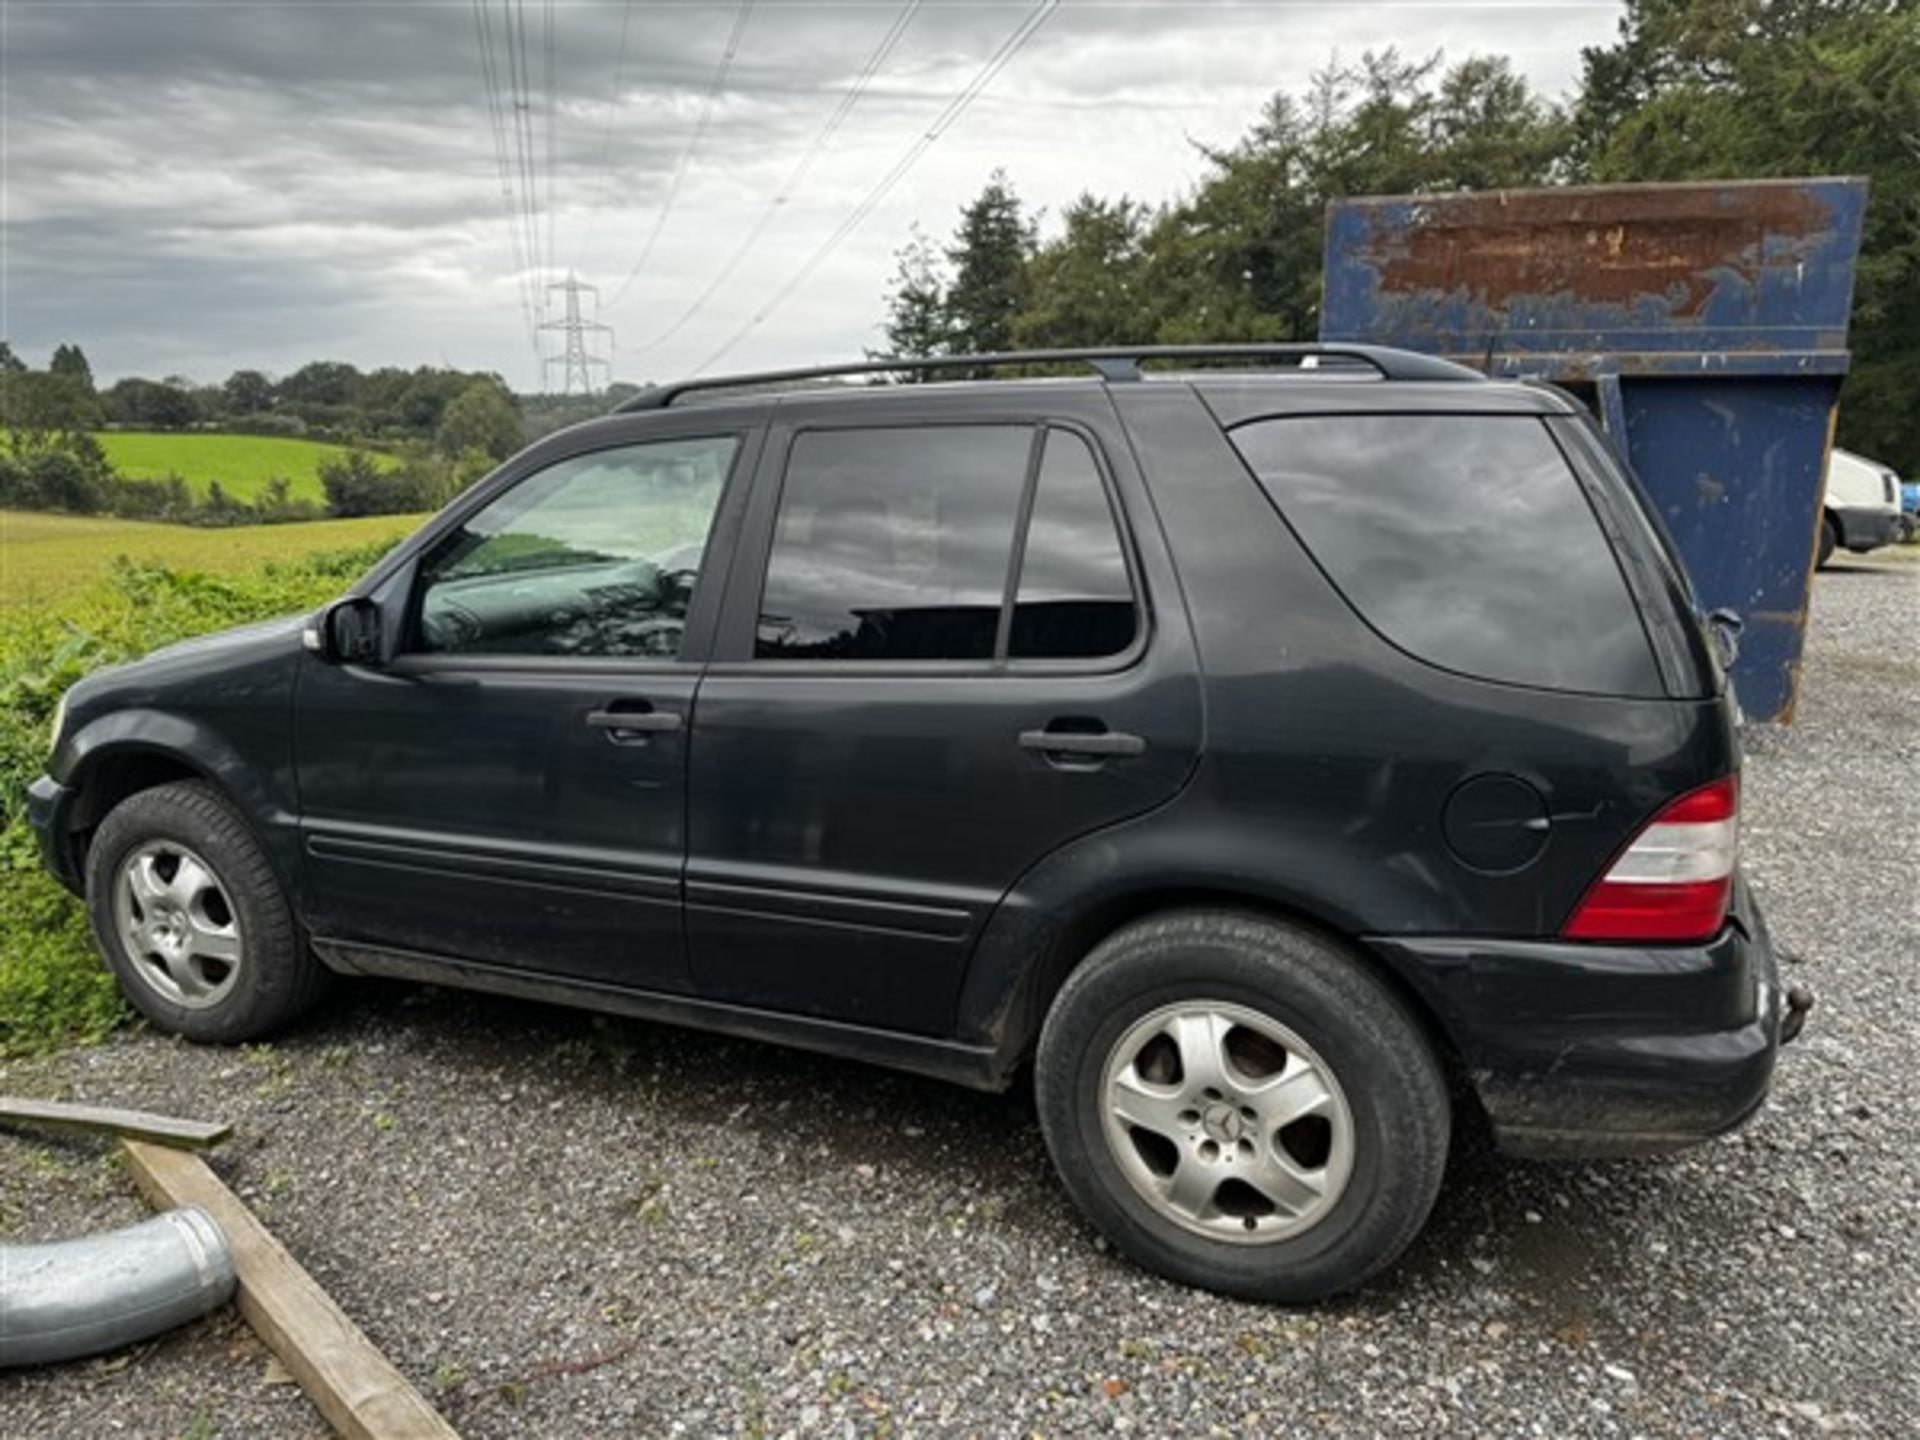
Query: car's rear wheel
192,918
1829,538
1239,1104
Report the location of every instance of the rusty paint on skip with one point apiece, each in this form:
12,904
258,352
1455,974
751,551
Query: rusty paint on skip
1610,246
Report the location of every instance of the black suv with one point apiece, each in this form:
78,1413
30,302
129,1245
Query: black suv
1277,758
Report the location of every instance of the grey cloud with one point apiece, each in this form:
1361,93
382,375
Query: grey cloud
198,186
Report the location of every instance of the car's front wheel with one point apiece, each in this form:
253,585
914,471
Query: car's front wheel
192,919
1239,1104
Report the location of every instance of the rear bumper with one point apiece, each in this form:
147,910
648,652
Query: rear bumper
49,806
1590,1051
1865,528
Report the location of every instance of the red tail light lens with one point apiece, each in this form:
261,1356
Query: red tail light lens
1674,882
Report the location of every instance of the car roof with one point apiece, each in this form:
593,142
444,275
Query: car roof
1311,378
1236,399
1110,363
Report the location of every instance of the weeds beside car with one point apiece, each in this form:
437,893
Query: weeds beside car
53,988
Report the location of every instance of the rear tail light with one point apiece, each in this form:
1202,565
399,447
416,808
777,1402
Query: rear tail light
1674,882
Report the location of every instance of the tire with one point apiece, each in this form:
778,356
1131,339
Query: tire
193,921
1297,1003
1828,540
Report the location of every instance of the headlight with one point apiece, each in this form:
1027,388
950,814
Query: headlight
59,722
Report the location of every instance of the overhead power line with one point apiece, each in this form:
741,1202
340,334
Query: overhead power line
944,121
526,156
553,121
795,177
522,96
505,165
693,144
604,164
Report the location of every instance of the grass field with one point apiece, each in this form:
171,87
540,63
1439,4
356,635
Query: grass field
243,464
45,558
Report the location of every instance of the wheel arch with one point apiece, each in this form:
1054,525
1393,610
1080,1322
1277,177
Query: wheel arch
1070,938
127,752
116,773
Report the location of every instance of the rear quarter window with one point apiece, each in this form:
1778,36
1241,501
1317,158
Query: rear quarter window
1464,540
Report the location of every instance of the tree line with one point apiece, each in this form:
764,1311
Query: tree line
324,400
444,428
1691,89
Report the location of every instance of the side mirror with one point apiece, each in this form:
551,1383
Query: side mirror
347,632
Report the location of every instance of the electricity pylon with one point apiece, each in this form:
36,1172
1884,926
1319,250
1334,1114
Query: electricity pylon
576,361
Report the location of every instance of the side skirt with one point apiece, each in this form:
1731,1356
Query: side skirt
977,1067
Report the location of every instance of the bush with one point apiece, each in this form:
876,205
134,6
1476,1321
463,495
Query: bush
276,504
290,427
53,988
166,499
63,480
70,473
15,491
357,486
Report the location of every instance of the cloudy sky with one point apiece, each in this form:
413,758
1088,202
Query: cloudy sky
196,187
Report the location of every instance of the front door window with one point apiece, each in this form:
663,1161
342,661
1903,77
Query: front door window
596,556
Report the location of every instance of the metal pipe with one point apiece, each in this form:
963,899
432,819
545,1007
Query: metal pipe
70,1298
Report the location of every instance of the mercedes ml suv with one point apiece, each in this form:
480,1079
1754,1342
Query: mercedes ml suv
1275,758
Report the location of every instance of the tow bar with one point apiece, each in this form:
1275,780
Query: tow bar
1799,1002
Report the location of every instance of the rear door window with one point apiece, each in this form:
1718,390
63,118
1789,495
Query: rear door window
1464,540
1075,600
893,544
968,543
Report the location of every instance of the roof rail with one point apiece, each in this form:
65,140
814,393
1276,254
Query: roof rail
1115,364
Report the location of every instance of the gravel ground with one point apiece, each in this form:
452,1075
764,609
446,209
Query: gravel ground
559,1225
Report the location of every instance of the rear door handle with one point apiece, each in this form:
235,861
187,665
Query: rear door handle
631,726
1082,742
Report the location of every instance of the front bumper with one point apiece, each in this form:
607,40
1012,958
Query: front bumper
1590,1051
49,811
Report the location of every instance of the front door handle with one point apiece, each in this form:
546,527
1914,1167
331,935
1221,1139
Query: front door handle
631,722
1102,743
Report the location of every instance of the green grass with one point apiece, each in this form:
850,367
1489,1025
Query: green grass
243,464
46,560
53,988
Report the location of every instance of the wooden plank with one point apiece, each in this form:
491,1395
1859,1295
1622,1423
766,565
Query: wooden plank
160,1129
358,1390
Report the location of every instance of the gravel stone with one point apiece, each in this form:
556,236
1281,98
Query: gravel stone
562,1225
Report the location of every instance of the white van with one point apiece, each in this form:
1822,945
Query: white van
1861,509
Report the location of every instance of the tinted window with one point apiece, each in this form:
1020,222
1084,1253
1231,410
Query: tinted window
893,544
1463,539
1074,600
595,556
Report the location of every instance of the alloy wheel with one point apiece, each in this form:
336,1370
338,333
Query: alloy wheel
1226,1122
177,924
